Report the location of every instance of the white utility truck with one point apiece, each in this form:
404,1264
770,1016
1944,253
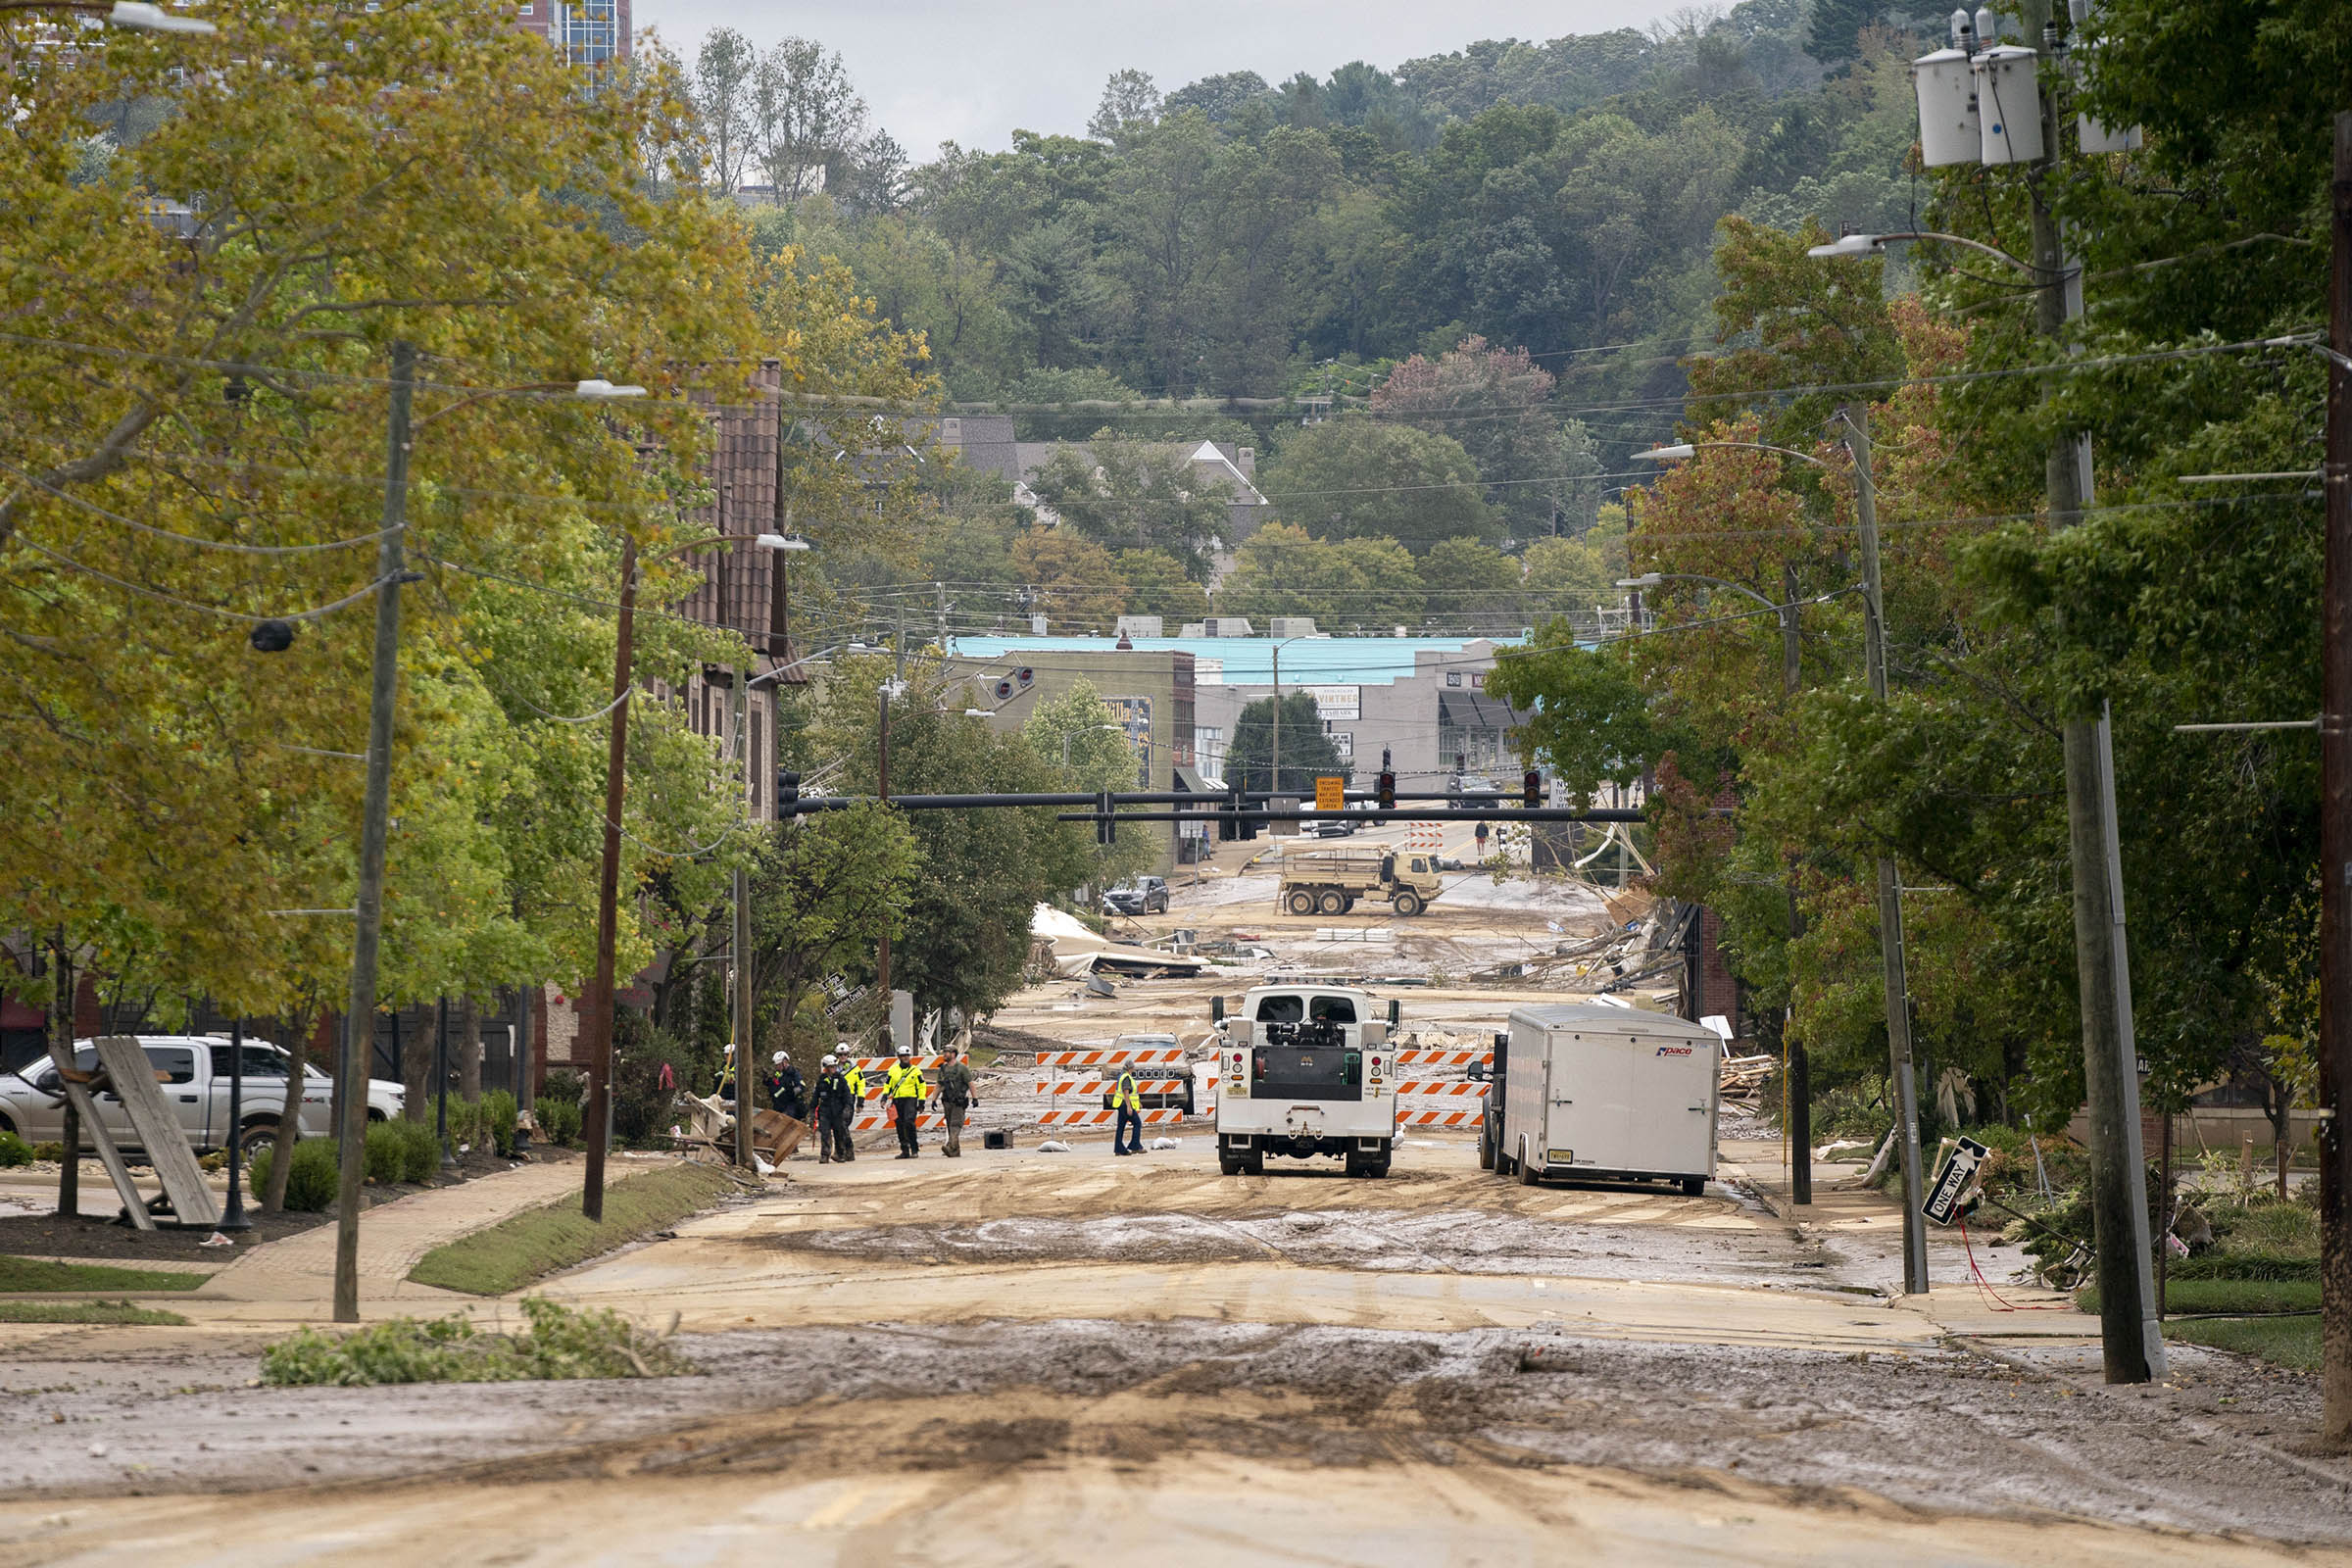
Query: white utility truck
1305,1070
1588,1089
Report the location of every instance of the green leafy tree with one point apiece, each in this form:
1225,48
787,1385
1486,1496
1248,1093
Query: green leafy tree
824,891
1083,739
1138,495
1156,585
1357,478
979,873
1470,584
1350,583
1308,754
1496,404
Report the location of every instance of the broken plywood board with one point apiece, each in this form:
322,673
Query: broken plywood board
123,1061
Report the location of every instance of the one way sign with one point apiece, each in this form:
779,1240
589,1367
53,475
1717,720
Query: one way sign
1951,1182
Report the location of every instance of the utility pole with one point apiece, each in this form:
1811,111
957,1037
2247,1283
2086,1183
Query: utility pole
597,1020
1277,718
2335,839
1797,1079
358,1024
882,792
747,1089
1890,896
2131,1344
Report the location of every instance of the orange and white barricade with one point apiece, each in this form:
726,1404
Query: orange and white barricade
1429,1057
1440,1102
1070,1084
1097,1117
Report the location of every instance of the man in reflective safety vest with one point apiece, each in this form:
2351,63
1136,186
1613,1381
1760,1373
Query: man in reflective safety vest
834,1106
904,1084
1130,1105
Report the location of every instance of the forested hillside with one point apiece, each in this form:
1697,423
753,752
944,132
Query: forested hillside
1241,240
1492,262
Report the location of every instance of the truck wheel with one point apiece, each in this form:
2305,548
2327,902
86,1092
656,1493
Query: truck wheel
6,1126
1301,902
1407,904
257,1134
1254,1164
1229,1165
1486,1149
1527,1171
1695,1187
1332,902
1349,907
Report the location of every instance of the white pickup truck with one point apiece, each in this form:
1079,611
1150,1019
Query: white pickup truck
1306,1069
195,1085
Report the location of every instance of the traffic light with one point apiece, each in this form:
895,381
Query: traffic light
1531,788
1106,819
1230,824
1387,791
788,792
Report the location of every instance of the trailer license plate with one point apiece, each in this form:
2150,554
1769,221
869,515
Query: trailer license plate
1560,1156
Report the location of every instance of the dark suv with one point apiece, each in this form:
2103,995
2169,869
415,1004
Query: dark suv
1145,895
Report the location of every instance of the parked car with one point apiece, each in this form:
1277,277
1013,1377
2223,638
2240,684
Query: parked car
1326,827
195,1085
1144,895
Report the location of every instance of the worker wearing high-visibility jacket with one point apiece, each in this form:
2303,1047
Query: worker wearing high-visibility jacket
904,1084
1130,1105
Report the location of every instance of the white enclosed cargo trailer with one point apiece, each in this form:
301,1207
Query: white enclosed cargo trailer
1586,1090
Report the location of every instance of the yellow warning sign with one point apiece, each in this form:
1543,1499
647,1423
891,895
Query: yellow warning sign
1330,794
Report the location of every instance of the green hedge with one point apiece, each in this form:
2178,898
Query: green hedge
310,1180
401,1150
13,1151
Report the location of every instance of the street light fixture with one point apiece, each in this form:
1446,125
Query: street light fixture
135,14
1876,245
599,1013
1690,448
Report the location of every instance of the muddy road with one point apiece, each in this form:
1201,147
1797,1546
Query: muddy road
1054,1359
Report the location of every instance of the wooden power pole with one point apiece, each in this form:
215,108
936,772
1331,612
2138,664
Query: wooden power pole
2335,834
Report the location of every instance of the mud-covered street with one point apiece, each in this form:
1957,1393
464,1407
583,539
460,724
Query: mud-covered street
1062,1342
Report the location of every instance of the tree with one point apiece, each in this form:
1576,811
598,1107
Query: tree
1497,405
1130,102
980,873
1085,740
1075,582
1138,495
824,891
725,71
1306,751
1836,33
1157,586
1218,99
433,177
1353,582
1353,479
1470,584
804,115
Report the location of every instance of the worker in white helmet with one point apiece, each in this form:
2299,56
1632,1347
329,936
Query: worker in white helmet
834,1104
786,1090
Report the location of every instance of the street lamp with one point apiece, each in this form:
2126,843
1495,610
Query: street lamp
1889,887
2131,1339
375,820
1278,647
1876,244
598,1019
133,14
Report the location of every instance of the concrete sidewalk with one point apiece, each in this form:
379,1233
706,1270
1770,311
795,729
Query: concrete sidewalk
298,1271
1865,1226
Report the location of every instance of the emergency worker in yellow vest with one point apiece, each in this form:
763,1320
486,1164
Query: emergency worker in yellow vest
904,1084
1130,1105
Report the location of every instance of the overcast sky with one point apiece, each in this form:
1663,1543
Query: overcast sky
971,72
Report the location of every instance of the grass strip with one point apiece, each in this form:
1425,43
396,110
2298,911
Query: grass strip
2225,1295
2292,1342
83,1312
525,1247
22,1274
